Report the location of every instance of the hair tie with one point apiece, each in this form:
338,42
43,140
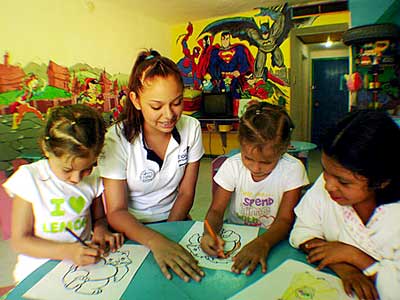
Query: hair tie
149,57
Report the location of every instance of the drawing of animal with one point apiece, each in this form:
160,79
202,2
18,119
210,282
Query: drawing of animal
93,279
232,244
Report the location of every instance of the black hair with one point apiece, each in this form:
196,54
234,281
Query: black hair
366,142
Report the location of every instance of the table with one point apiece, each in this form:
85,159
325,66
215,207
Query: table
149,283
300,150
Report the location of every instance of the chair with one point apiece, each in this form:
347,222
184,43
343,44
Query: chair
215,164
6,201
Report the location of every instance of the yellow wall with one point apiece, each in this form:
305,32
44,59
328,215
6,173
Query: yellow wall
100,33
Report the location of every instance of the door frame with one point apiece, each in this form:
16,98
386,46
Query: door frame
300,76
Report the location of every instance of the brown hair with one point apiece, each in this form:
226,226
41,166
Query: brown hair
76,130
149,64
262,123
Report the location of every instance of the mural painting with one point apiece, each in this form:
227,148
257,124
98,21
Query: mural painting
27,93
254,67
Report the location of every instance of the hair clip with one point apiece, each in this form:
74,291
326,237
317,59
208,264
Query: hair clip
73,123
258,112
149,57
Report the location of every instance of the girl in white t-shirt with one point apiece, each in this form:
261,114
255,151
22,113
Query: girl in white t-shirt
151,161
59,192
349,219
261,185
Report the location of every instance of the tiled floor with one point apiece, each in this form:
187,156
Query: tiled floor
198,212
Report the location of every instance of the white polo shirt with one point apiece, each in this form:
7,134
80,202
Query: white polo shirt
152,183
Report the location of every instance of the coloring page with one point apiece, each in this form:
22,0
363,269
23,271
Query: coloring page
294,280
106,279
235,237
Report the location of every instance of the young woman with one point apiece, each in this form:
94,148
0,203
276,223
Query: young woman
151,162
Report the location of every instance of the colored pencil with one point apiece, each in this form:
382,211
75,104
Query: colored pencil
77,237
214,236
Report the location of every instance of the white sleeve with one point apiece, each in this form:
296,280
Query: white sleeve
388,278
196,150
22,177
296,176
113,160
225,176
308,223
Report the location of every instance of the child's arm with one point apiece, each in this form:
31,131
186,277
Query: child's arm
257,250
187,187
352,276
167,253
24,240
101,233
215,217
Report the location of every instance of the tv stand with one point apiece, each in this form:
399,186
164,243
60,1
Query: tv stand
220,135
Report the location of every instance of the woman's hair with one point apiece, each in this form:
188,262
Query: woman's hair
366,142
149,65
266,123
76,130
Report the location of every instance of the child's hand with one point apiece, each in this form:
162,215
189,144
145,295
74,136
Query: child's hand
209,246
356,282
327,253
107,240
82,255
251,255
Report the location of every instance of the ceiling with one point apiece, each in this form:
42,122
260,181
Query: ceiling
183,11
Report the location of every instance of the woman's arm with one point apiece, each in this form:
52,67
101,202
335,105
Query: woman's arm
24,240
257,250
215,217
167,253
187,188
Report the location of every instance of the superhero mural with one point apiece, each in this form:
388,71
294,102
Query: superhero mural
26,94
231,67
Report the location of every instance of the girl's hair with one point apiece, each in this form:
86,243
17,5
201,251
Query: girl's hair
149,65
76,130
264,123
366,142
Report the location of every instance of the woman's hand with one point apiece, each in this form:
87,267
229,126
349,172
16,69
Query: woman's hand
169,254
107,240
209,246
82,255
327,253
251,255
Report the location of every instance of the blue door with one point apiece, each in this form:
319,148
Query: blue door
330,98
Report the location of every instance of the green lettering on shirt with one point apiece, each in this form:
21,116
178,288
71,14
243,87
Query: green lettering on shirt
57,212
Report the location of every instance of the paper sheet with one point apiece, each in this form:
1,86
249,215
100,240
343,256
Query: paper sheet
107,279
235,237
294,280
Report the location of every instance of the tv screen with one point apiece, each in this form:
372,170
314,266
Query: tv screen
216,105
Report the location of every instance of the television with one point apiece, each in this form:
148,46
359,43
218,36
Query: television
217,105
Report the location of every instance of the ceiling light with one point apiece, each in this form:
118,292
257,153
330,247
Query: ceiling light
328,42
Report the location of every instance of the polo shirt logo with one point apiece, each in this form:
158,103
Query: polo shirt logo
183,157
147,175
